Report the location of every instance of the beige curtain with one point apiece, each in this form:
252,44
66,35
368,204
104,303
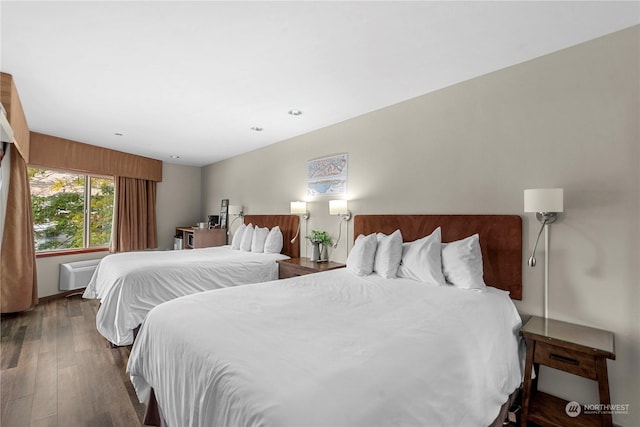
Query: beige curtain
18,279
134,216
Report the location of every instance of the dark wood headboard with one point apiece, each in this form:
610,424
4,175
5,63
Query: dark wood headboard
500,240
288,225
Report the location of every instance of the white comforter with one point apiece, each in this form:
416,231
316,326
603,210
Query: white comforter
330,349
132,283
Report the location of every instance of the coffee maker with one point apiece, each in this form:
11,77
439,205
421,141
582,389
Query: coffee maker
214,221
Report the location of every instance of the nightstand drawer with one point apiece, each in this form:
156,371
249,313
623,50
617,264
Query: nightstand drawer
560,358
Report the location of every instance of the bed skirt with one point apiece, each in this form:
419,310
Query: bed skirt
153,415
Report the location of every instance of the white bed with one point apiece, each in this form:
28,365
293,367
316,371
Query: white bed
331,349
412,332
132,283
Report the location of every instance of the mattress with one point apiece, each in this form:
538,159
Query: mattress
132,283
331,349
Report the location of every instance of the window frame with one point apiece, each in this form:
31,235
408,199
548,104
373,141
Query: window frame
86,215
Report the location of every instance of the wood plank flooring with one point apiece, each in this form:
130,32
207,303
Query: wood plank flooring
57,370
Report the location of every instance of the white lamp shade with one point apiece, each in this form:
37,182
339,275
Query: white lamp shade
298,208
338,207
544,200
235,209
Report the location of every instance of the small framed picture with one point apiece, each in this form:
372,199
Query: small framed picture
224,210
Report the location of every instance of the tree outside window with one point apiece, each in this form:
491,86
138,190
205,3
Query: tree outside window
70,210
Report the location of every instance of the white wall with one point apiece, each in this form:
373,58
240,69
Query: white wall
177,204
569,119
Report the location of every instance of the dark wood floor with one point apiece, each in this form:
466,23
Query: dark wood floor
57,370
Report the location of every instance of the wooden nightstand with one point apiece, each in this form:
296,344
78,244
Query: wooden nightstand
576,349
300,266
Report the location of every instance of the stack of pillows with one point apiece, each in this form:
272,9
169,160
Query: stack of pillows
256,239
426,260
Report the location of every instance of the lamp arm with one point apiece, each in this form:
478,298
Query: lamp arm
297,232
335,245
305,216
532,259
230,225
345,217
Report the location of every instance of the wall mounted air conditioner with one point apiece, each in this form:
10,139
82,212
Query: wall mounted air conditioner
7,132
76,275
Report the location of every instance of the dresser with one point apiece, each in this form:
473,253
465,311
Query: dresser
194,238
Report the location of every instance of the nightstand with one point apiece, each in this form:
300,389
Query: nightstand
576,349
300,266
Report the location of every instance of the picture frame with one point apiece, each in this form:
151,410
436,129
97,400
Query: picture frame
224,212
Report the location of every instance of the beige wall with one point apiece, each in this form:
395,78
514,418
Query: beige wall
48,270
178,203
569,119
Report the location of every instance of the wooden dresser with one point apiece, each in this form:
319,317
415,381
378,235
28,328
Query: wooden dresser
194,238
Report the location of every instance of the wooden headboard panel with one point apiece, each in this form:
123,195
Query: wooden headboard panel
288,224
500,240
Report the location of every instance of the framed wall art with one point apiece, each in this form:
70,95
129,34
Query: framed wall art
327,176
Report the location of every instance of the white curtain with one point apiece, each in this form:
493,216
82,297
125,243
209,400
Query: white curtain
5,166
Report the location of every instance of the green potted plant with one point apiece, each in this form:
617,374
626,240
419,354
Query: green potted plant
320,241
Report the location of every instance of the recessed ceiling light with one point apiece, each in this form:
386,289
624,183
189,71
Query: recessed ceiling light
174,156
256,128
295,112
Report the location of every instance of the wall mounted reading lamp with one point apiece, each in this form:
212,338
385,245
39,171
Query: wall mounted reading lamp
299,208
546,203
236,212
339,207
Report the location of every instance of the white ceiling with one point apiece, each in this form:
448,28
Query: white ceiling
192,78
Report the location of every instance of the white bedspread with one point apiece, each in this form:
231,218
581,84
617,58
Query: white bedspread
330,349
132,283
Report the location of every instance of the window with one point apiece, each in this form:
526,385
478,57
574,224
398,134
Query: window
70,210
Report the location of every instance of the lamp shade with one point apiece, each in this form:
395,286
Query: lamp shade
544,200
235,209
338,207
298,208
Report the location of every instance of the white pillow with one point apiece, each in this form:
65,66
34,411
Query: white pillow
462,263
362,255
237,237
274,242
247,238
388,254
422,261
259,237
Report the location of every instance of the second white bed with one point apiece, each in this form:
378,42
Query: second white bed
132,283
